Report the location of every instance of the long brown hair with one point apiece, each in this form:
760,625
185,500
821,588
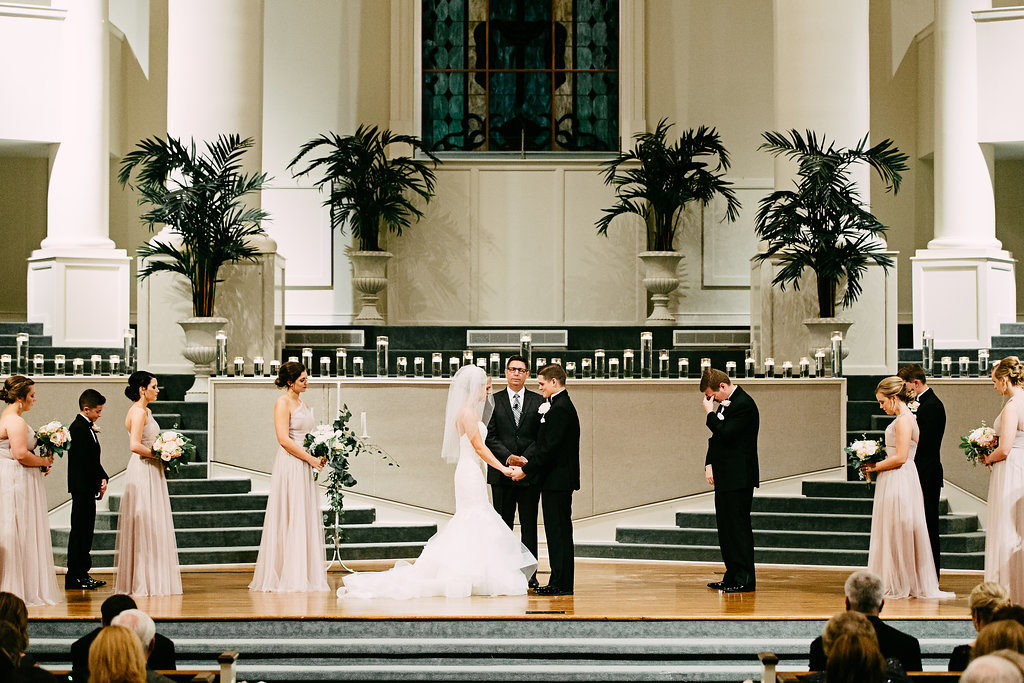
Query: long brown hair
116,657
855,658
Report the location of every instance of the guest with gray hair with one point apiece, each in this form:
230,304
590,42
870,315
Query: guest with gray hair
142,625
991,669
864,594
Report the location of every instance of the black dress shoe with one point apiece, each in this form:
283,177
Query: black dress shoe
718,585
77,584
553,590
739,588
96,583
533,583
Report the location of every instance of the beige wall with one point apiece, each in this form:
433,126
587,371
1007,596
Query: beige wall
23,183
642,442
1009,189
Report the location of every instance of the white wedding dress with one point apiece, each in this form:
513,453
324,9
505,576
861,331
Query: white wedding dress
474,554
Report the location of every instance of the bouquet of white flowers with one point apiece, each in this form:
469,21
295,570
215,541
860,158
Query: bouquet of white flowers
53,438
173,448
979,443
863,452
323,442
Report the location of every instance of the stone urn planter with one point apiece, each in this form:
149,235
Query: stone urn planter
201,350
660,279
821,329
369,277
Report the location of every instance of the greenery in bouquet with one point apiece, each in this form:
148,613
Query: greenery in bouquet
173,448
864,452
979,443
53,438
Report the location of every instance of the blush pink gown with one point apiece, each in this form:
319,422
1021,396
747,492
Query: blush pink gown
1004,545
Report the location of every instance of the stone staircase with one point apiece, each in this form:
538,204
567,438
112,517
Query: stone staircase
1009,342
220,521
42,343
829,524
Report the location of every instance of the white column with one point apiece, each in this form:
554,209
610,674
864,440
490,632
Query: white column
963,282
821,83
77,260
215,87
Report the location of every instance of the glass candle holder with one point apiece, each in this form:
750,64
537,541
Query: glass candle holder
557,361
401,366
258,366
819,363
540,362
307,359
357,366
495,362
37,365
684,368
964,366
730,368
453,365
5,364
928,351
628,365
837,354
805,367
947,366
787,370
467,357
60,364
325,366
705,364
646,354
436,364
94,364
600,364
526,348
78,366
129,351
587,367
983,362
222,352
382,356
275,367
418,366
663,361
570,369
114,363
293,359
748,363
481,363
340,362
238,366
613,368
21,358
769,367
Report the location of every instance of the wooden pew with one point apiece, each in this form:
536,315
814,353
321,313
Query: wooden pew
226,660
769,674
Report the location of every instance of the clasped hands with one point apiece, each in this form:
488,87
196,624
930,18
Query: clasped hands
515,463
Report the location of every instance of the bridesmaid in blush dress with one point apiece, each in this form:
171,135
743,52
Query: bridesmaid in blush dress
26,556
900,550
146,553
292,550
1004,546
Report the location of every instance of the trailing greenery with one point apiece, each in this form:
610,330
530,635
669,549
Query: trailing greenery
657,180
200,195
368,188
822,224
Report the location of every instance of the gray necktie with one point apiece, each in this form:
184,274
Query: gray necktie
516,410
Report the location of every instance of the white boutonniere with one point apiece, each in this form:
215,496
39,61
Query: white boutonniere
914,405
95,429
543,410
724,404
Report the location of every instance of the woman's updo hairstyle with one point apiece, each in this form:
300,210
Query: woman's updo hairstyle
895,387
16,388
1010,369
289,373
137,381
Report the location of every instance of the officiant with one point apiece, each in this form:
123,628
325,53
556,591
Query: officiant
511,429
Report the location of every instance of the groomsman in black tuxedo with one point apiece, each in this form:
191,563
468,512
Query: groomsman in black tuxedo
87,482
554,461
931,419
731,467
510,431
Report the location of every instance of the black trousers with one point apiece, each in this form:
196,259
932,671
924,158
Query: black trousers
506,499
557,509
735,534
931,487
83,525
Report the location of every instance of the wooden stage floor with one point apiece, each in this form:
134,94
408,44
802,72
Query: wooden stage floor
604,590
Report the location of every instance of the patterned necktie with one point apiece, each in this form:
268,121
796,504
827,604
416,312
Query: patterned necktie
516,410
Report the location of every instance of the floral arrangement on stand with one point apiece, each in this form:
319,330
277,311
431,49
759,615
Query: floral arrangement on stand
864,452
173,449
979,443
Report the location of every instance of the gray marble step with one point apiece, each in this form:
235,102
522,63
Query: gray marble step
948,524
237,518
210,502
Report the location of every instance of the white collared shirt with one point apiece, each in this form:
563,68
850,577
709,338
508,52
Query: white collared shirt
555,394
512,394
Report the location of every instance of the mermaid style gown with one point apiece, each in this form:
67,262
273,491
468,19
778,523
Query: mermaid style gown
900,551
474,554
146,553
26,556
292,550
1004,545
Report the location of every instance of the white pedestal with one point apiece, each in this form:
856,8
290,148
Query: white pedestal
80,295
251,297
962,295
777,320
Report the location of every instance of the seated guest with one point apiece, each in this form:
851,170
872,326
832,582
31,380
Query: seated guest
115,656
864,595
1011,612
999,635
991,669
14,613
985,599
1015,658
139,623
13,668
852,653
162,658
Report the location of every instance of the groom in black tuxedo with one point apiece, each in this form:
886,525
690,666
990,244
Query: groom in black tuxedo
731,467
931,419
554,461
510,431
87,482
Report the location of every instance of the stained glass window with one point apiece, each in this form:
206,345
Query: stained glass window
512,75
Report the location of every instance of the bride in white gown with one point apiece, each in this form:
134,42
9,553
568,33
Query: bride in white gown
475,553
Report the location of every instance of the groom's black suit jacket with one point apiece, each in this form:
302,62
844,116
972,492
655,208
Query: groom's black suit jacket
554,458
504,438
732,448
84,469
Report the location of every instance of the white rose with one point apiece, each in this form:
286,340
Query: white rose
544,408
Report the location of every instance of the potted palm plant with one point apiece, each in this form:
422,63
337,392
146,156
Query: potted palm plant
200,196
822,225
373,192
657,180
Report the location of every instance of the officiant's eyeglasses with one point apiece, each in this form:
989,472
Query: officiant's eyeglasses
518,371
